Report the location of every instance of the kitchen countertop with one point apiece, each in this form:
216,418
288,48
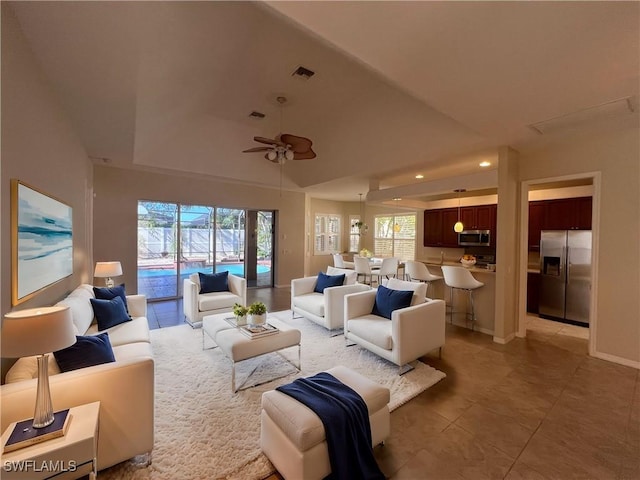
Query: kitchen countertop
473,269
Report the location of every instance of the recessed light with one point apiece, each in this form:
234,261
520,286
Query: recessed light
419,176
397,199
485,164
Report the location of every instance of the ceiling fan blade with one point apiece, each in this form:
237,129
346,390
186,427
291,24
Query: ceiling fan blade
298,144
257,149
308,155
269,141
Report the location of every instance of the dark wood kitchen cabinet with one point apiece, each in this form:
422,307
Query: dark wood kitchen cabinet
438,227
533,292
536,220
449,219
481,217
438,224
560,214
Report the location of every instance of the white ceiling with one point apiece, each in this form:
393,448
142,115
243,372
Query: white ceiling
400,88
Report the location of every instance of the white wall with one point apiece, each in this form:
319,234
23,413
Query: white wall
616,155
40,148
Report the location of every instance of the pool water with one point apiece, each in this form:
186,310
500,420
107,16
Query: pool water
235,269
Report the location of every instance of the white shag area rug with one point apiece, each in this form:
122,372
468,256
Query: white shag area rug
203,430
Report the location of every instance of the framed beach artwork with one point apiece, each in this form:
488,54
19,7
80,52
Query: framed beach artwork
41,241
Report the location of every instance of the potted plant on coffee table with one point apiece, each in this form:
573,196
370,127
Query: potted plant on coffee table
240,312
257,313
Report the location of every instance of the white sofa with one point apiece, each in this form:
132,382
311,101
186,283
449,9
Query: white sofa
326,309
411,333
198,305
124,388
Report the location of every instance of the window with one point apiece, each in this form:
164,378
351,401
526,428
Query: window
354,233
327,234
395,236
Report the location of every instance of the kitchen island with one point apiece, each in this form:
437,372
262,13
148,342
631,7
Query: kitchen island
484,297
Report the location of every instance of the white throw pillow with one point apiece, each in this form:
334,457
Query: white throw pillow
419,289
349,275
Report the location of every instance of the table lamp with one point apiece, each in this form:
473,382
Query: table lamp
108,270
38,331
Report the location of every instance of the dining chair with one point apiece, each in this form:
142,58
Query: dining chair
388,269
363,268
339,262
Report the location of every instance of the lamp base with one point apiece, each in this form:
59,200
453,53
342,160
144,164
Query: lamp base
43,415
109,282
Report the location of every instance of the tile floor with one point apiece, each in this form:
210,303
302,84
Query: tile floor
536,408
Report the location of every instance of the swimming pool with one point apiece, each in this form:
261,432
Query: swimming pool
235,269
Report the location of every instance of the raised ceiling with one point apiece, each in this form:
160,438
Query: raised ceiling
400,87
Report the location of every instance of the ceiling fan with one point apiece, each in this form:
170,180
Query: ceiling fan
285,146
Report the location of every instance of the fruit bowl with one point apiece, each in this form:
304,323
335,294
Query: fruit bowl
468,261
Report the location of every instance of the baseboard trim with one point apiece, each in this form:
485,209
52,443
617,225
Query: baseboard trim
619,360
476,328
504,341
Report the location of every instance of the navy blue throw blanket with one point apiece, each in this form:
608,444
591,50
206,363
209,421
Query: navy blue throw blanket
345,418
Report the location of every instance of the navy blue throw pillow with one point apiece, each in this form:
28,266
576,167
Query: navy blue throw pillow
104,293
109,313
214,282
86,352
388,300
325,281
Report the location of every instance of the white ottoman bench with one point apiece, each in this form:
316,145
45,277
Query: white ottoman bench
238,347
292,435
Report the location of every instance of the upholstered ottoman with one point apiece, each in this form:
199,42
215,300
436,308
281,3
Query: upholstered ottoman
292,435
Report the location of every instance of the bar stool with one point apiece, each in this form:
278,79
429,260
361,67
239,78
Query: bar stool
419,271
461,278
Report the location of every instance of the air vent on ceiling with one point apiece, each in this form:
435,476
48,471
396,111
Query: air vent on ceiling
255,114
303,73
606,111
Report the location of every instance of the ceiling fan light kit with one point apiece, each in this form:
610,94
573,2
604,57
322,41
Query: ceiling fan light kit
284,146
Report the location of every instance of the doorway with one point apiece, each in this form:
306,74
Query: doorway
530,260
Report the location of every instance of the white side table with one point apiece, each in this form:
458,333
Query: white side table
68,457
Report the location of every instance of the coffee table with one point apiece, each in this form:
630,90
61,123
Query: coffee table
238,347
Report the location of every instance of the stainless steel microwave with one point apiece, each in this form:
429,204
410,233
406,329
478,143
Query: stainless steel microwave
481,238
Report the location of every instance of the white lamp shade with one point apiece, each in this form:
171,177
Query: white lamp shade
107,269
36,331
458,227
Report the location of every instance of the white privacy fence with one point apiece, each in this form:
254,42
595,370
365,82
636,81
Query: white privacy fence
156,244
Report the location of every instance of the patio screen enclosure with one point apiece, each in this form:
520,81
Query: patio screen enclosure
176,240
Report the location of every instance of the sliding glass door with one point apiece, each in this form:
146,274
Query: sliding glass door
210,240
157,249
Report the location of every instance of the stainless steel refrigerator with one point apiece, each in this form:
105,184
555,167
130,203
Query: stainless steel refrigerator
565,275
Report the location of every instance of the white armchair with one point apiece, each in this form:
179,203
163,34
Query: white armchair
327,308
197,305
411,333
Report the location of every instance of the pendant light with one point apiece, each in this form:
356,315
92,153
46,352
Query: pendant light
458,227
362,227
396,225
